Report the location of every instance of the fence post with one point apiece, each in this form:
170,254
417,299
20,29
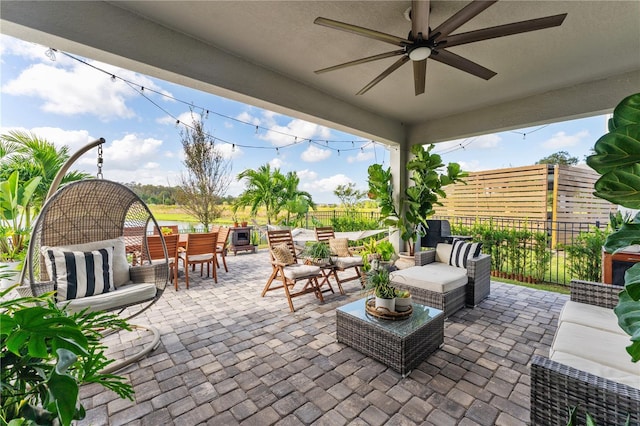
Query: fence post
554,208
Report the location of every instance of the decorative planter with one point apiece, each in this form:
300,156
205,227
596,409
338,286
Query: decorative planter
405,261
403,304
389,304
244,223
13,271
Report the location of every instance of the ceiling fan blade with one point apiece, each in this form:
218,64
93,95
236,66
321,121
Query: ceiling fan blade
383,75
464,15
420,18
419,75
362,61
361,31
505,30
463,64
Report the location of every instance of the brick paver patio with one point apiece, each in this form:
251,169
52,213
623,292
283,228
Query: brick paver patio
228,356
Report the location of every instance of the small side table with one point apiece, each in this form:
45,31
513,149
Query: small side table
401,345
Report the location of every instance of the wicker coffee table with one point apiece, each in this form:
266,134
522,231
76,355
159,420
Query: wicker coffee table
401,345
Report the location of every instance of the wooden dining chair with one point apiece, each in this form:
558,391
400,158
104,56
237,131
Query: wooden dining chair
155,253
221,246
288,271
200,250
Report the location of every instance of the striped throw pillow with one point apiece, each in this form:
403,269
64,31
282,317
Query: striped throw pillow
79,274
461,251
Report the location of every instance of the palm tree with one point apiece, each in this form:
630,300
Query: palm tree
272,190
294,200
33,156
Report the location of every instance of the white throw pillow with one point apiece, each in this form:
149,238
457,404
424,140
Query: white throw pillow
78,274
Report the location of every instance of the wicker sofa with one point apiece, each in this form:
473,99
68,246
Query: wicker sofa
587,338
433,282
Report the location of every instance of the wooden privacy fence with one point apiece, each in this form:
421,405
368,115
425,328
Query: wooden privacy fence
539,193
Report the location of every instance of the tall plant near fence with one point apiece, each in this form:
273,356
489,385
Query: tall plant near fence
584,256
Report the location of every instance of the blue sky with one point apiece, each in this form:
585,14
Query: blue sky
71,103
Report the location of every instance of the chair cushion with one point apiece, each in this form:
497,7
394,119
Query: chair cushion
298,270
437,277
78,274
129,294
443,252
461,251
595,351
348,262
591,316
282,254
339,246
197,257
120,264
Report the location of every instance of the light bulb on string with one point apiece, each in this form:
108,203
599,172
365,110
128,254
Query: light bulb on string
113,78
233,148
278,151
51,54
256,129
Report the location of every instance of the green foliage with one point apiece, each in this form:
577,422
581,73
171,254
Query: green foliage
560,157
589,420
16,200
155,194
419,199
316,250
349,196
353,223
275,192
46,354
383,249
379,283
208,174
584,255
617,159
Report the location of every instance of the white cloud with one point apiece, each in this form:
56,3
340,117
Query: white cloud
276,163
248,118
131,153
73,139
478,142
327,184
68,87
32,51
471,166
361,156
486,141
307,174
562,140
228,151
313,154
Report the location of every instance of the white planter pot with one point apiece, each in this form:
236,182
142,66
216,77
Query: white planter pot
13,270
405,261
389,304
403,304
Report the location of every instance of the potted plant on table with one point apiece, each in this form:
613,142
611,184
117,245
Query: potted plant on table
377,254
379,284
417,203
403,300
318,252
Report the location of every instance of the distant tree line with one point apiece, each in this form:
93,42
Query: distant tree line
159,194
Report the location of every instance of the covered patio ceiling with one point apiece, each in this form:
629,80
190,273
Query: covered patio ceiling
265,52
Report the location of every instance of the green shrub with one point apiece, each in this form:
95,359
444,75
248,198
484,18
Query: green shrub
584,255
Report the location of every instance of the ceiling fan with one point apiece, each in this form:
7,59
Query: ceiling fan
423,42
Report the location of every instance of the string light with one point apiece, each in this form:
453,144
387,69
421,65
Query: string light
51,54
277,151
233,148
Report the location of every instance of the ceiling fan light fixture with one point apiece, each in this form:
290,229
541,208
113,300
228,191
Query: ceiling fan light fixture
420,53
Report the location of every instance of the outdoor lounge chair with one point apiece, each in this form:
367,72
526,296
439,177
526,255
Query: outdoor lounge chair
200,250
78,251
288,271
155,251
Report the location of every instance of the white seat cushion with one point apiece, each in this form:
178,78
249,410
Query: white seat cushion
591,316
437,277
125,295
298,270
348,261
198,257
595,351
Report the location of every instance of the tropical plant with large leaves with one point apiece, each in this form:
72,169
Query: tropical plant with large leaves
617,159
33,156
417,204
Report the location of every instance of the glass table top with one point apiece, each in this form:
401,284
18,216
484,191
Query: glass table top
421,315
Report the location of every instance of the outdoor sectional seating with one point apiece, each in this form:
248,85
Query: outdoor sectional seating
588,366
434,282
